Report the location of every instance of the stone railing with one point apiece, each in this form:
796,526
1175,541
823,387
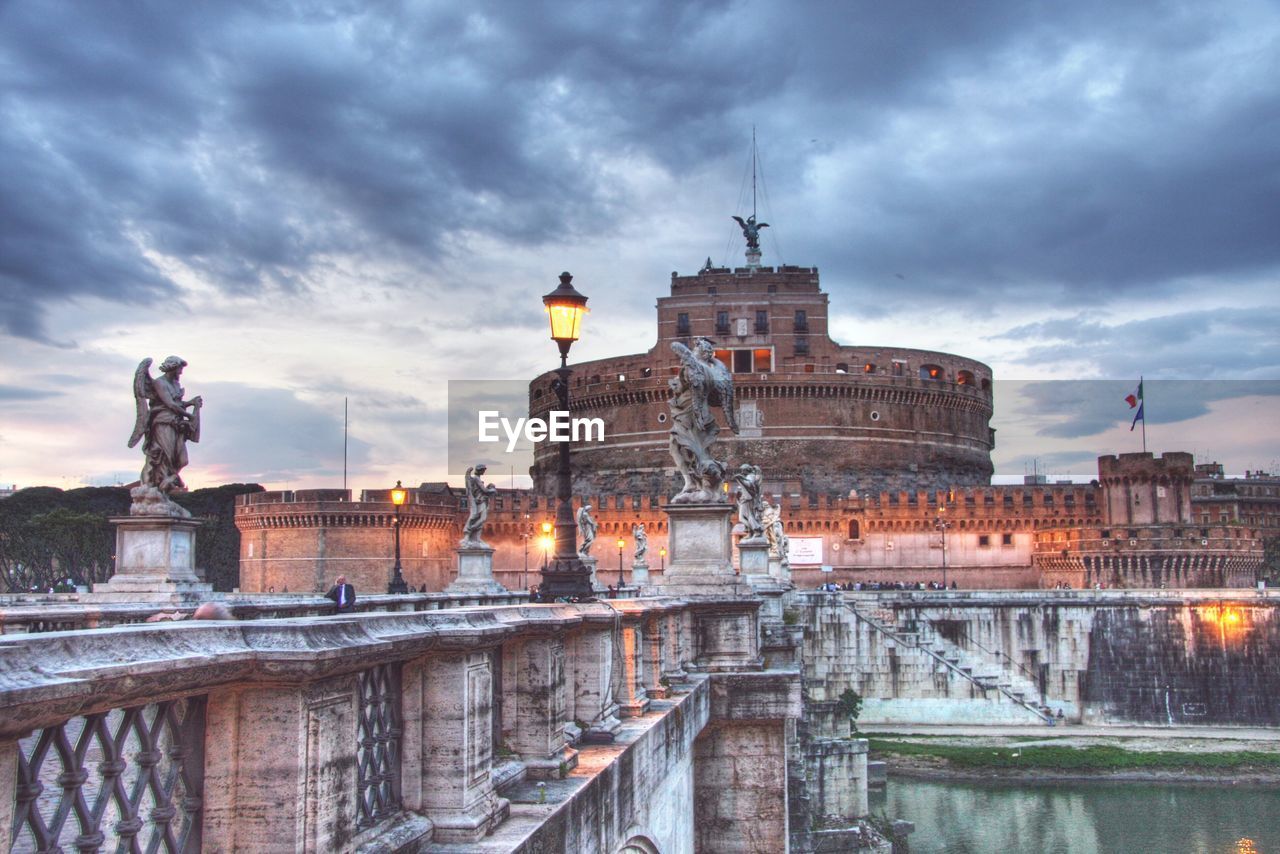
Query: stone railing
31,613
376,731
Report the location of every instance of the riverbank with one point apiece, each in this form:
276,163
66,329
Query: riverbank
1022,758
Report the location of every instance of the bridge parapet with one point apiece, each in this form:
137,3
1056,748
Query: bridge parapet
384,729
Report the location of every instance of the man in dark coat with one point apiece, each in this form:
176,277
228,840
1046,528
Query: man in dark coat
343,595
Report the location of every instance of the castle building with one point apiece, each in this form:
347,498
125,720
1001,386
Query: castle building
879,456
819,417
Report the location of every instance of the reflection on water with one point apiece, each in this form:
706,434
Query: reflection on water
1083,818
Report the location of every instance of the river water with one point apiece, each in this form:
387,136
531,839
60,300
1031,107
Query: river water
1083,818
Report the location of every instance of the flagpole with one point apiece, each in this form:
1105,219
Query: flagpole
1142,385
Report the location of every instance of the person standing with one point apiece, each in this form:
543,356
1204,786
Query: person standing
343,595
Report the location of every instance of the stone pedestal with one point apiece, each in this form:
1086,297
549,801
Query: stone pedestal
475,572
155,562
640,574
590,563
701,556
776,570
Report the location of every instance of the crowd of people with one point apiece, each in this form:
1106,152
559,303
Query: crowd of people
831,586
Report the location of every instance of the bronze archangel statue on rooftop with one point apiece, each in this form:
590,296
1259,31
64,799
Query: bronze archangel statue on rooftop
164,424
751,230
702,382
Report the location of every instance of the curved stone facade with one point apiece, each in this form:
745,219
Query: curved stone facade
299,541
819,417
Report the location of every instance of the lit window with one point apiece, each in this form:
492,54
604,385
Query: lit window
868,368
763,360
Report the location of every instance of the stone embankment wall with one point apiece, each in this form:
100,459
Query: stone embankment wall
1150,657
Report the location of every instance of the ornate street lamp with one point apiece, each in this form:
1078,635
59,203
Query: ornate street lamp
942,524
547,541
566,575
621,543
397,584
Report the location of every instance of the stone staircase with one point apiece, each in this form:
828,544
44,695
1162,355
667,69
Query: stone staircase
979,669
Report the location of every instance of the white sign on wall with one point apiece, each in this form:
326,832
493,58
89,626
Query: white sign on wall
806,551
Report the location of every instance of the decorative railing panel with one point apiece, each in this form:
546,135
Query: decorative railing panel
380,729
125,780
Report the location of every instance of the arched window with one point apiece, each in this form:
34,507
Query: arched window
986,384
855,530
932,372
842,368
964,378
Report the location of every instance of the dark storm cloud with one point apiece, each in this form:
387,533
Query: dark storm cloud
252,142
272,435
1226,343
12,393
1079,408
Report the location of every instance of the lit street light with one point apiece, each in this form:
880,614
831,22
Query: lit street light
662,553
621,543
942,524
567,576
398,584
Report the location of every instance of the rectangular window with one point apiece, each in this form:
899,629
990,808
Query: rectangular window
722,323
742,361
682,323
802,320
763,361
725,357
1006,539
802,346
762,321
984,539
899,368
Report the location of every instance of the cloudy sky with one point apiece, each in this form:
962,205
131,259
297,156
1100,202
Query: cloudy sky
312,202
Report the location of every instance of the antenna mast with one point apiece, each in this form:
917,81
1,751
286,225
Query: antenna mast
753,172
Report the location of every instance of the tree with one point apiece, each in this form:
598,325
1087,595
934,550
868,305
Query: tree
48,535
1270,561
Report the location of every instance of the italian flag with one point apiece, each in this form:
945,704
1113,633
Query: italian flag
1135,402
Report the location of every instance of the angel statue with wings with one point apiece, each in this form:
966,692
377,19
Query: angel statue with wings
165,423
702,382
478,495
751,231
750,482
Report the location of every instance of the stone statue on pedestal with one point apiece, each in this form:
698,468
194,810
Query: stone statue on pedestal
642,541
702,382
165,423
776,533
478,495
750,482
587,527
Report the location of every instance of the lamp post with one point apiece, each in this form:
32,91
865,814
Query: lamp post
547,541
942,524
662,554
397,584
566,575
528,532
621,543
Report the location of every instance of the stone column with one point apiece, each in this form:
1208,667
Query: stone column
632,697
539,715
655,656
155,562
280,771
475,573
740,787
448,744
594,699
